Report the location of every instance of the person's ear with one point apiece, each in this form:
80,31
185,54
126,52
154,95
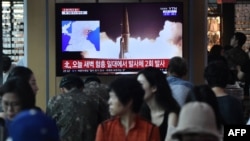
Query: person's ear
237,41
63,90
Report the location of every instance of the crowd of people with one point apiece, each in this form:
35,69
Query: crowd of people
148,106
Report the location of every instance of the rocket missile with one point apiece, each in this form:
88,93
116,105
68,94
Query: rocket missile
124,41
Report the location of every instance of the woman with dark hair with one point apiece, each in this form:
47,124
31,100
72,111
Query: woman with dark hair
203,93
26,74
17,95
159,106
126,98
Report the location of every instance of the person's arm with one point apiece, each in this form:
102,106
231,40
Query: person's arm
240,74
53,107
172,123
49,107
172,119
103,110
99,133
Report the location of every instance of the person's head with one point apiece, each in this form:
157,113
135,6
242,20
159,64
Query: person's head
156,88
26,74
32,125
125,94
6,63
203,93
196,123
216,50
70,82
177,67
92,81
217,74
238,39
17,95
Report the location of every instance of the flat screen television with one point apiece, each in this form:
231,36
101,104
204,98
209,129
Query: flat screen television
117,38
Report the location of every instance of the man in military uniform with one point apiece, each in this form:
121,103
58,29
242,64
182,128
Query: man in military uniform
93,85
77,113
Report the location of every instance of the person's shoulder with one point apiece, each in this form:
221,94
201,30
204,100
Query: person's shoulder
229,99
145,122
96,94
79,97
110,122
234,99
230,51
186,83
237,50
179,81
55,98
74,106
95,90
172,80
54,102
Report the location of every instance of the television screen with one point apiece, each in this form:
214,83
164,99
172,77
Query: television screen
117,38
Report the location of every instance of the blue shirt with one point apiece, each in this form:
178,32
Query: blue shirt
180,89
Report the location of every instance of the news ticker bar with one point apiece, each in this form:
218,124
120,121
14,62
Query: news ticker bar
114,63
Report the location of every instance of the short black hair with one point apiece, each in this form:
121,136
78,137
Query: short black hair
92,78
217,74
178,65
70,81
216,49
241,37
127,88
6,63
22,89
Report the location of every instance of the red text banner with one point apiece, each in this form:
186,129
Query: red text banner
114,64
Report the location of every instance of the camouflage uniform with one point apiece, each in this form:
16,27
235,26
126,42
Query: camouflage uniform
97,89
77,115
